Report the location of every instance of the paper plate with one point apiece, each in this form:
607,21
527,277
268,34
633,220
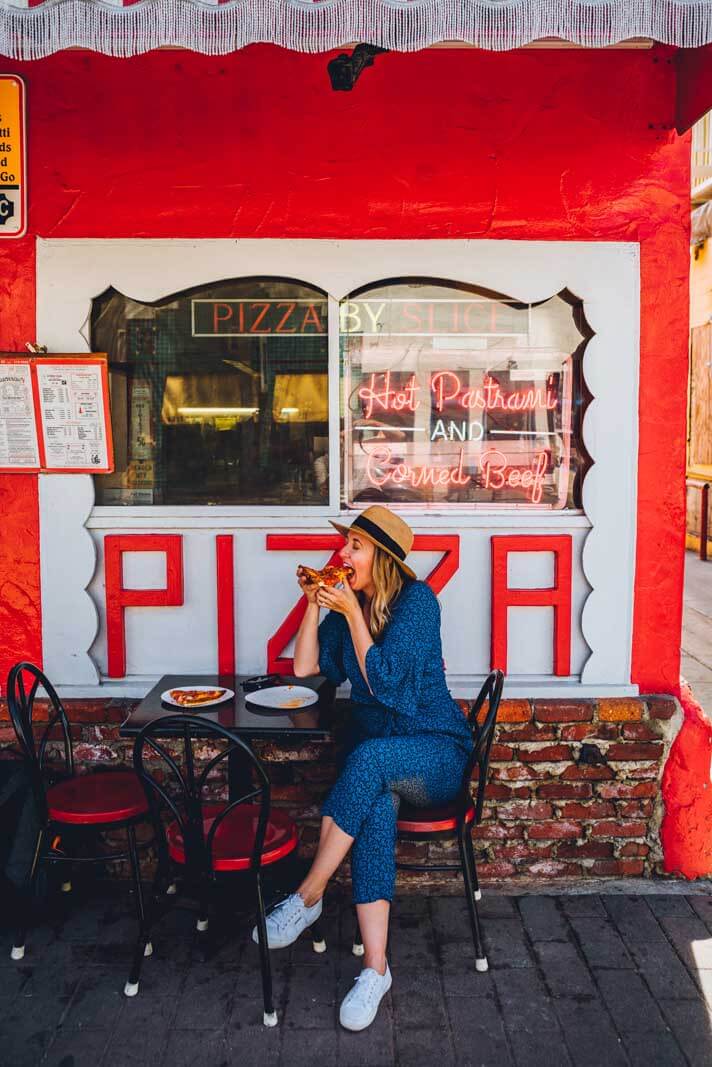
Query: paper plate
168,699
283,697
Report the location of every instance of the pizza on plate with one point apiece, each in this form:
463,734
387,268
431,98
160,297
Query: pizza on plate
190,698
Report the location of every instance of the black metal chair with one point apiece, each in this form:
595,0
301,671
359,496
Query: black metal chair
68,805
459,817
205,838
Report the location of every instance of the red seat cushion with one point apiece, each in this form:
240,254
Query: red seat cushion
430,820
235,836
109,796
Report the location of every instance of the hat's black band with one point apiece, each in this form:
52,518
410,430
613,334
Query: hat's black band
379,535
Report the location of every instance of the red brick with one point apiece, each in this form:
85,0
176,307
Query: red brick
635,809
495,870
501,753
7,734
641,731
547,754
94,753
619,829
634,848
532,732
523,852
616,790
514,773
537,809
597,809
646,770
620,709
564,791
558,830
661,707
495,791
597,731
498,832
555,869
588,850
292,794
633,751
514,711
623,868
588,774
563,711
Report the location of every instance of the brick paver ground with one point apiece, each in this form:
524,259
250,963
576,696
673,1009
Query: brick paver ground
592,979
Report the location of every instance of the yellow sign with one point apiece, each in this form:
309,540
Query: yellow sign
13,183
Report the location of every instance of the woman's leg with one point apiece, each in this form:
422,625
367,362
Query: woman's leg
373,924
334,845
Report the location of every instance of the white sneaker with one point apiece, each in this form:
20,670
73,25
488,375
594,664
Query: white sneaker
288,920
360,1005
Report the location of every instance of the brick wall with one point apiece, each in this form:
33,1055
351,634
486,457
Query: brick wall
574,785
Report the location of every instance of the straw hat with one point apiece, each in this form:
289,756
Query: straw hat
386,530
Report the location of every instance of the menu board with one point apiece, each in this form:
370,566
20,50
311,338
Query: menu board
58,405
19,448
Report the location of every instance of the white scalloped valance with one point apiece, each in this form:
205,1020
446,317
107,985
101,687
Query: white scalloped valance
30,30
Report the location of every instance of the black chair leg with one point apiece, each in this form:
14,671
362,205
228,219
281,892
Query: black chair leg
473,865
468,874
317,935
18,947
357,947
270,1015
143,944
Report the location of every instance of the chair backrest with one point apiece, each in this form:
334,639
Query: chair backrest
23,682
482,736
180,789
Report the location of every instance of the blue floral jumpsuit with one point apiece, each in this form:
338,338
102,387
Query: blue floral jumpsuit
411,739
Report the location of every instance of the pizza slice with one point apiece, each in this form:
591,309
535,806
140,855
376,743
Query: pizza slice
189,698
331,575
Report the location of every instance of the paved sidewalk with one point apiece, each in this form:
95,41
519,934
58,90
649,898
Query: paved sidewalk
696,664
585,980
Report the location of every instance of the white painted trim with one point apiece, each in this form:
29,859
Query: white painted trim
70,620
136,517
605,275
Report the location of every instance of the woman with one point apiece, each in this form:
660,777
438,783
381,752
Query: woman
411,740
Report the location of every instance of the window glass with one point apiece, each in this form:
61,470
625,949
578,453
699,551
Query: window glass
219,395
455,395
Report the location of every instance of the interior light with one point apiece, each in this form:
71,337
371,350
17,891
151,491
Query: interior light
218,411
290,411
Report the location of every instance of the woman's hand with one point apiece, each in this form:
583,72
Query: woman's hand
342,600
310,589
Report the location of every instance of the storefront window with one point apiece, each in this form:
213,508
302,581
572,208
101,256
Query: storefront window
454,396
219,395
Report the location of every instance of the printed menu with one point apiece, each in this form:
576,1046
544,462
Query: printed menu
18,430
64,402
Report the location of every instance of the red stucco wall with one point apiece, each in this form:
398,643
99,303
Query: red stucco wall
559,145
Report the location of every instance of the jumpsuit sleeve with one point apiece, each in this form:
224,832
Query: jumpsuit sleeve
395,666
331,648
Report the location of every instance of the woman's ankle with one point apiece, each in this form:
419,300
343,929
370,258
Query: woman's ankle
376,963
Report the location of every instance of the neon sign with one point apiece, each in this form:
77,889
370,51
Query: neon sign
447,391
494,472
251,318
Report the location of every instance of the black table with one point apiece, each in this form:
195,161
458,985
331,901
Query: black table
247,721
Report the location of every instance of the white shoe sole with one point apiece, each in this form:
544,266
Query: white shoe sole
272,944
364,1023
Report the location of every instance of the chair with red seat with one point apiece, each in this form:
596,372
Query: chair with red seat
67,803
207,838
458,818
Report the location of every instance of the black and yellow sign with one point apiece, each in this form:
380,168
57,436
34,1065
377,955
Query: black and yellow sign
13,181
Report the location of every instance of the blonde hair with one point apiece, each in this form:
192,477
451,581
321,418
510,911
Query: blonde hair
388,581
